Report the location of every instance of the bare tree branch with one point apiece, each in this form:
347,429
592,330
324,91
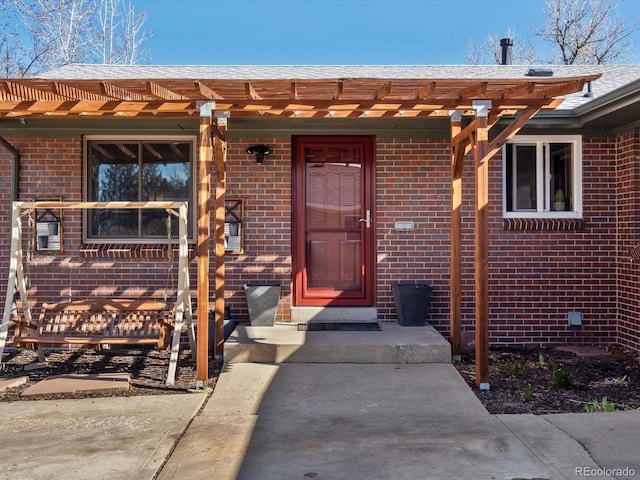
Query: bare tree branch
49,33
579,32
586,32
490,51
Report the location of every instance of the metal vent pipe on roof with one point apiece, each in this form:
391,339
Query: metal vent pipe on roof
506,44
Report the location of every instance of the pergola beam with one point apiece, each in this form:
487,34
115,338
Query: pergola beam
481,161
204,187
220,161
512,129
133,104
457,159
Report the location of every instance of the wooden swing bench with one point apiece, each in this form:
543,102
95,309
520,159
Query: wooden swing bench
98,322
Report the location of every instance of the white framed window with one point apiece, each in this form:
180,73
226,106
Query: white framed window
137,169
542,177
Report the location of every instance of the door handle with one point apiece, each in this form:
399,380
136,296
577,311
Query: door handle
367,219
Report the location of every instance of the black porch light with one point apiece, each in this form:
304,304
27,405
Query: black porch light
259,151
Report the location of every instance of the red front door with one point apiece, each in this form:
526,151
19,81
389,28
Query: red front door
334,229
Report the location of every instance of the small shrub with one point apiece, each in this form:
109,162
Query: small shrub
514,369
620,380
562,378
541,358
600,406
527,394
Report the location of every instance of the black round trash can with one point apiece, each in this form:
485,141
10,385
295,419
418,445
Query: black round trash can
412,303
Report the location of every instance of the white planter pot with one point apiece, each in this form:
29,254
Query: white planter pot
262,301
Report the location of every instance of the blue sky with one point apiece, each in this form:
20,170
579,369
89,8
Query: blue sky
281,32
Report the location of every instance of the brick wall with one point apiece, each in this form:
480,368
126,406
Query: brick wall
53,167
266,190
628,271
413,184
536,277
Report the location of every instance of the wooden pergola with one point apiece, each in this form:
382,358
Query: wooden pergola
483,102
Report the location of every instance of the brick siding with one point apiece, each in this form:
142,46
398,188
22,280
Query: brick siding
536,276
628,271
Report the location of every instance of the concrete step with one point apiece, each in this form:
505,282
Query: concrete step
284,343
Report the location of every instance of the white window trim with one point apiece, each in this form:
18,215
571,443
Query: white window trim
138,138
543,203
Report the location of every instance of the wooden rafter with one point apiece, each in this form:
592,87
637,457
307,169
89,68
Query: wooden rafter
116,91
25,92
250,91
383,91
426,91
8,97
473,91
552,91
206,92
338,90
69,91
525,89
163,92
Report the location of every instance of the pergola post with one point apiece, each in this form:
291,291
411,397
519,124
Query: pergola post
481,243
220,160
204,196
455,280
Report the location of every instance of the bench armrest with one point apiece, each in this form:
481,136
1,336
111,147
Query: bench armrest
22,323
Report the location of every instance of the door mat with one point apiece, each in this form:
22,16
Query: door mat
339,326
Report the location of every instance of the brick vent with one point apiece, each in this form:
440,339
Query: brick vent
543,224
129,250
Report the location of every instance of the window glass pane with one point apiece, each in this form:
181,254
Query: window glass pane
334,178
542,176
525,173
137,171
166,176
114,177
561,174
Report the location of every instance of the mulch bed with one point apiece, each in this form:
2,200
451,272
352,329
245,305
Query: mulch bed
147,366
552,381
522,381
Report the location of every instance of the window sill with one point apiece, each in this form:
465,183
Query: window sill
129,250
543,224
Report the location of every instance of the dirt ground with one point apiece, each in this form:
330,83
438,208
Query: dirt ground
554,381
147,366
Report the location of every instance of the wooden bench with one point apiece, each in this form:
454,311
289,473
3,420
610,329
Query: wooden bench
98,322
